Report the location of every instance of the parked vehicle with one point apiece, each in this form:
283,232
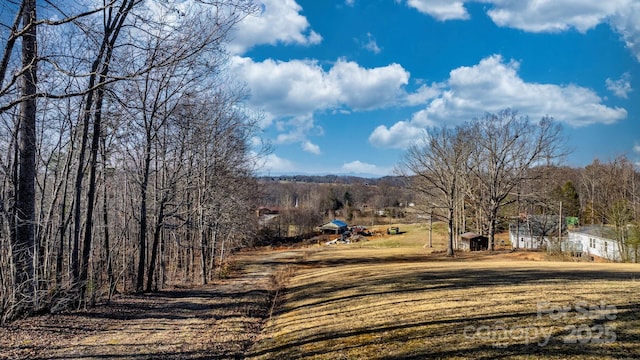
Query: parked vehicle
394,230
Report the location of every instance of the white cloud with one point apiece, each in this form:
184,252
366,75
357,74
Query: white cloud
310,147
531,15
272,162
399,136
372,45
490,86
636,148
626,21
553,16
548,15
359,167
366,89
620,87
441,9
349,2
280,22
285,88
295,129
290,93
423,94
561,15
494,84
301,87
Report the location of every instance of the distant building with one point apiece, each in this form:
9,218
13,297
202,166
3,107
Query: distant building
266,215
536,231
473,242
524,237
334,227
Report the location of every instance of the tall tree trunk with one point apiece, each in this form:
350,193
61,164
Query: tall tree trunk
450,233
24,242
202,235
142,242
107,241
154,247
75,248
214,239
142,239
493,217
163,264
61,238
204,257
91,192
100,69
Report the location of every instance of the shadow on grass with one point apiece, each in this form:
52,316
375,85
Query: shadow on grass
175,305
435,278
395,336
234,312
150,355
323,343
558,346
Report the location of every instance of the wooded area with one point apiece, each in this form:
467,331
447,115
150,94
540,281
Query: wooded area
126,156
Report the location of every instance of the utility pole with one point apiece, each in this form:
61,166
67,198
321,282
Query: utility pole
560,224
518,222
430,227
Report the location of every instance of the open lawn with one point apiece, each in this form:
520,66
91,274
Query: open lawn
390,298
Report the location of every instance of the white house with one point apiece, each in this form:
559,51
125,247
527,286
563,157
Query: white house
596,241
536,231
526,238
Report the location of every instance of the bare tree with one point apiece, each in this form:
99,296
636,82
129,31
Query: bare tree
438,165
506,147
24,240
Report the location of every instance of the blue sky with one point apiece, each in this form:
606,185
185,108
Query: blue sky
345,86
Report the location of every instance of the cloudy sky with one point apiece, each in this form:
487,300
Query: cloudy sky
345,85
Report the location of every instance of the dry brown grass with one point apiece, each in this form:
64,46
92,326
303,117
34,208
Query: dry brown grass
380,301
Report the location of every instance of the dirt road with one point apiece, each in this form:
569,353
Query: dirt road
219,321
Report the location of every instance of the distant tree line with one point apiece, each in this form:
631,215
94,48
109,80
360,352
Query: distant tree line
125,153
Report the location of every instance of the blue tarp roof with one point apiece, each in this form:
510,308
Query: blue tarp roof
339,223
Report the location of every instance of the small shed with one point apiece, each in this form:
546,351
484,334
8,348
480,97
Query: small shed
334,227
473,242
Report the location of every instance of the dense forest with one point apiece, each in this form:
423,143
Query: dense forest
126,156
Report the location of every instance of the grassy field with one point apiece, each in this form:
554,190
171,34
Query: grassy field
391,298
